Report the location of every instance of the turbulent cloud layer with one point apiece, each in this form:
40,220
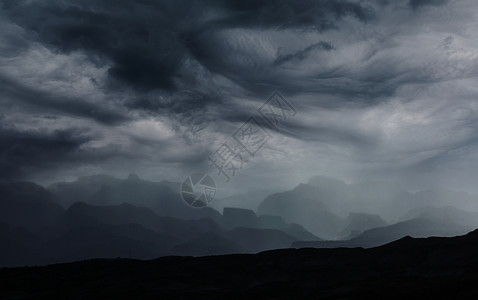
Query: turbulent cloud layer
381,88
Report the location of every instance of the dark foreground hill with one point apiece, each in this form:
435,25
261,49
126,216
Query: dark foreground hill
418,268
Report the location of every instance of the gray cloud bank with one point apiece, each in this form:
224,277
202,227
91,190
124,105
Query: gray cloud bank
383,89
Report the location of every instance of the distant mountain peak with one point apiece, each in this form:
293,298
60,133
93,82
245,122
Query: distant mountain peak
96,177
321,180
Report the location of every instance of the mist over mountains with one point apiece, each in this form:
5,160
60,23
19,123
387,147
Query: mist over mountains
105,217
322,204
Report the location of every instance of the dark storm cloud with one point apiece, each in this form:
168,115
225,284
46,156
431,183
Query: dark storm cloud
300,55
308,14
16,94
251,71
184,102
27,153
146,41
24,152
419,3
331,134
144,70
139,38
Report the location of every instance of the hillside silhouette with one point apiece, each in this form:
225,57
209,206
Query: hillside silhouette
431,267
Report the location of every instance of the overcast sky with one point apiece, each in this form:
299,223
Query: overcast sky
382,89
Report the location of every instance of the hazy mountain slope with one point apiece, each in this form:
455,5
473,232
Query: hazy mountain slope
439,197
356,223
162,197
25,204
82,189
99,242
127,213
302,206
20,247
256,240
322,204
419,228
445,214
247,200
239,217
